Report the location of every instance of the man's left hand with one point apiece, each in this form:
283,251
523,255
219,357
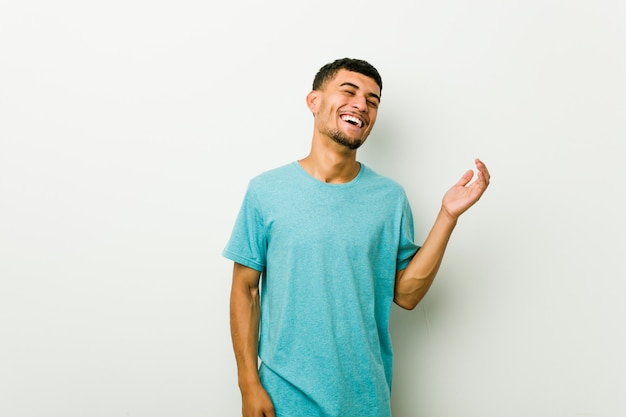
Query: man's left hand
462,196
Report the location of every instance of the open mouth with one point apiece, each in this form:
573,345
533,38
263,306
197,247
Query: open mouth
353,120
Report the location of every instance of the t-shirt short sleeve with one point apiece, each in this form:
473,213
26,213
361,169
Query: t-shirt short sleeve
248,242
407,247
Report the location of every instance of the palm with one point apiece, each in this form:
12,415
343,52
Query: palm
462,196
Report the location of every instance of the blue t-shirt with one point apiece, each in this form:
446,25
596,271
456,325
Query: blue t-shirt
328,254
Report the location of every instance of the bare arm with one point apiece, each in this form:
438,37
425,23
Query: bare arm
413,283
245,315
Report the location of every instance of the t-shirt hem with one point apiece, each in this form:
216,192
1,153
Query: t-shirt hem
242,260
403,264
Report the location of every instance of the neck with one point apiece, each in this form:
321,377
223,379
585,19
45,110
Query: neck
331,164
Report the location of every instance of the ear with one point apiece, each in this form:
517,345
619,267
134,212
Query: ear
311,100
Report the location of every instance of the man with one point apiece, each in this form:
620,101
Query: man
321,248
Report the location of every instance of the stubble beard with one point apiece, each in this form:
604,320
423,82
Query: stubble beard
342,139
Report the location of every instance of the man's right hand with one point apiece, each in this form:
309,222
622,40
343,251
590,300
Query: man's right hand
256,402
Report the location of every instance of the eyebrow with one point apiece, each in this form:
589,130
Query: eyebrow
349,84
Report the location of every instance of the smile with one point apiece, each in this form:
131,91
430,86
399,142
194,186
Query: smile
353,120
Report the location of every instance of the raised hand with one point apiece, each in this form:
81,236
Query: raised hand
462,196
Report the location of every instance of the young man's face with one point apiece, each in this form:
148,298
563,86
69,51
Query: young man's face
345,108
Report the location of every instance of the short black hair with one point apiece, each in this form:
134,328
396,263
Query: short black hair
328,71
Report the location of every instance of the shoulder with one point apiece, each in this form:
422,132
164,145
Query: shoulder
272,176
377,181
274,183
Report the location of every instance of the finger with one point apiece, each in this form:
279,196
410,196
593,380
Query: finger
465,179
482,169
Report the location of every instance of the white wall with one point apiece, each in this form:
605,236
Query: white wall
129,130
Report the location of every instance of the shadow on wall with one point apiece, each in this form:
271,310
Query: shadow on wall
409,330
383,149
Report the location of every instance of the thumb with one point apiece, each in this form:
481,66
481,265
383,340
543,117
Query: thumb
465,179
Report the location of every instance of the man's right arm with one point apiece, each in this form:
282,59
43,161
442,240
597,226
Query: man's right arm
245,314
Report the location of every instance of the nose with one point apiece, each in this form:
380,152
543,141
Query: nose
359,102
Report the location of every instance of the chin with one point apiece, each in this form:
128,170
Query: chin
345,140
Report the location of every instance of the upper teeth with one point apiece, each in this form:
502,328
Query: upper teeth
355,120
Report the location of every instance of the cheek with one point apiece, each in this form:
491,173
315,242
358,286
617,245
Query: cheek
327,112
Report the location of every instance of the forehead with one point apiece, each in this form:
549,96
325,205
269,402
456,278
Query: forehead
344,77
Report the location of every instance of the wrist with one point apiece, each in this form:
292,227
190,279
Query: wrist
249,384
447,217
